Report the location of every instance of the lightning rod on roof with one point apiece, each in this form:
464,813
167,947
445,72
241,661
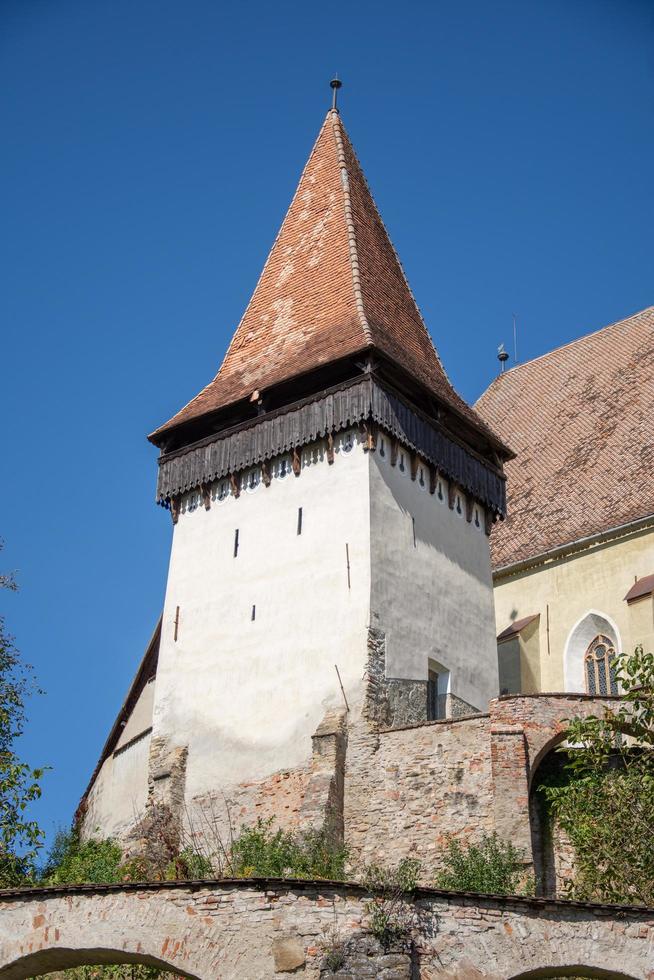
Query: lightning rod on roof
515,338
335,84
502,356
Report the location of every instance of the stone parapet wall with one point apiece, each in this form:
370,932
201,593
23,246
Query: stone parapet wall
261,930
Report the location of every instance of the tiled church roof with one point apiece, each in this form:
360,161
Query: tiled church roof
580,422
332,286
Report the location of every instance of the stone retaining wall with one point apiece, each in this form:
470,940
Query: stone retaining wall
260,930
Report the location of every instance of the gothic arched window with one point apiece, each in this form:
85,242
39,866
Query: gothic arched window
599,665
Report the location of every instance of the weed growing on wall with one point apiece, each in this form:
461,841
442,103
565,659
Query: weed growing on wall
391,915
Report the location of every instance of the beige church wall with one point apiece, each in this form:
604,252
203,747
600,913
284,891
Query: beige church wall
246,695
577,597
119,792
519,661
640,616
431,596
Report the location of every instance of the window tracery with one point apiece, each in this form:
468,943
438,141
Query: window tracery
599,666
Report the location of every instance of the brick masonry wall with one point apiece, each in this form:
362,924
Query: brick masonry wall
222,814
267,929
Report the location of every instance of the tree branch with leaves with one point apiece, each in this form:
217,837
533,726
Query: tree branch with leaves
20,837
606,805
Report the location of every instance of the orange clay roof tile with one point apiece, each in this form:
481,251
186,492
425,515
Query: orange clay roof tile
580,422
332,286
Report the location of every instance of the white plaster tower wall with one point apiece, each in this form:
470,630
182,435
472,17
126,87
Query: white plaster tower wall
431,588
251,673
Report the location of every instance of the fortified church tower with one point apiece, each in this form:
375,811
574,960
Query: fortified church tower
332,497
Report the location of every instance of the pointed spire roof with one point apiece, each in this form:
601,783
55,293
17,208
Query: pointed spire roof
332,286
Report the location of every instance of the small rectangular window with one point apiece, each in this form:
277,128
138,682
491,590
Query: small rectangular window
254,613
299,520
433,703
235,542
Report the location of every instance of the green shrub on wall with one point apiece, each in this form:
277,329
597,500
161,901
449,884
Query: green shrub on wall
262,851
605,804
490,866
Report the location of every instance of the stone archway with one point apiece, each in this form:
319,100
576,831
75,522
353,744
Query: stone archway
572,971
53,958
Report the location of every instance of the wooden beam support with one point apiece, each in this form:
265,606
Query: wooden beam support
265,473
330,448
415,460
469,508
297,461
175,505
489,520
234,484
205,490
433,479
451,494
369,432
394,448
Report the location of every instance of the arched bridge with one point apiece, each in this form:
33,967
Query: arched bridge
260,929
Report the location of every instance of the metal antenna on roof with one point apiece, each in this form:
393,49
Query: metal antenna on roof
335,85
502,356
515,339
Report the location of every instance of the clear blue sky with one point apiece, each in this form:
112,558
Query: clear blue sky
150,149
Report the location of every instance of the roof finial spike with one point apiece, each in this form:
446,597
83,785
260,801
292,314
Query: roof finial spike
335,85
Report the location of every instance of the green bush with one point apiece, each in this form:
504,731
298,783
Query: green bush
492,867
117,971
262,852
72,862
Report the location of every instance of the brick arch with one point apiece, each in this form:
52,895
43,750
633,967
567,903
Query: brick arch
542,719
79,926
56,958
533,946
